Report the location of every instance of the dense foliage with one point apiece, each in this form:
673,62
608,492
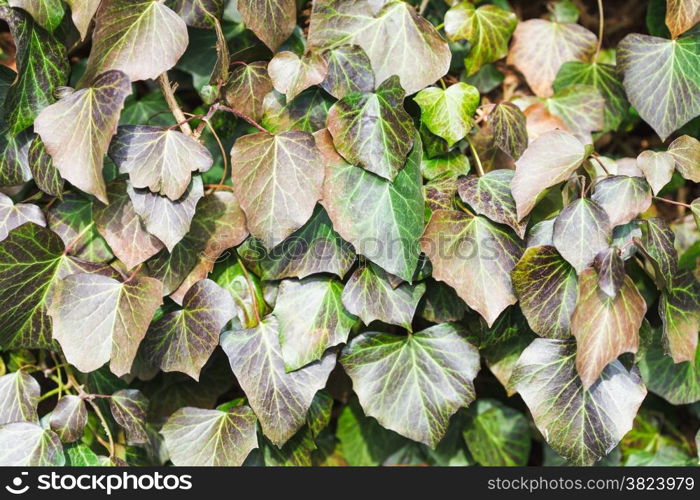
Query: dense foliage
357,232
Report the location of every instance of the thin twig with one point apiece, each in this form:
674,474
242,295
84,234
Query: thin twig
423,6
241,116
479,168
600,162
224,156
169,94
601,27
672,202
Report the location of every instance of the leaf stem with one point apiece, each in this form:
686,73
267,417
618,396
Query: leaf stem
479,167
169,94
241,116
601,28
251,290
218,186
672,202
75,240
600,162
423,6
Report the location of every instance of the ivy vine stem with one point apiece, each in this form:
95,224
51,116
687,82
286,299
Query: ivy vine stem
169,94
479,167
672,202
601,28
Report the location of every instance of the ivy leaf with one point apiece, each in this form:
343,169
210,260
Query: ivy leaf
47,13
686,151
72,220
623,198
582,425
370,295
19,393
280,399
121,227
452,165
42,66
546,286
373,130
198,13
14,158
490,195
69,418
247,87
611,271
604,327
540,48
277,180
44,172
448,113
681,15
14,215
475,257
487,29
677,383
582,230
308,112
195,437
98,319
29,262
549,160
657,167
580,107
82,12
272,21
657,243
509,129
315,248
185,339
394,38
167,220
497,435
245,289
349,71
429,374
140,38
695,210
679,308
311,319
158,159
77,129
378,211
605,79
26,444
440,303
129,408
291,74
661,79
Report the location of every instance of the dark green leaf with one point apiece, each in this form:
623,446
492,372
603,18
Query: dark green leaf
349,70
48,13
129,409
44,172
657,243
72,220
509,129
679,308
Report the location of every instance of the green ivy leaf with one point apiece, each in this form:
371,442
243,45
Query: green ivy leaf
582,425
311,319
487,29
27,444
605,79
129,409
448,113
366,209
279,399
430,375
277,180
158,159
373,130
604,326
370,295
349,71
497,435
661,79
19,393
540,48
47,13
582,230
657,243
45,174
580,107
68,418
679,308
185,339
546,286
72,220
196,437
273,21
140,38
453,164
308,112
247,87
340,22
14,215
14,158
77,129
623,198
474,257
490,195
508,124
291,75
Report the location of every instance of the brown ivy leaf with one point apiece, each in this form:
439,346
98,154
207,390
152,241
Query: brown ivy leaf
582,230
611,271
540,47
623,198
19,393
291,74
686,151
604,327
247,87
509,126
349,70
198,13
14,215
277,180
679,308
68,418
681,15
82,12
272,21
657,167
130,409
77,129
122,228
